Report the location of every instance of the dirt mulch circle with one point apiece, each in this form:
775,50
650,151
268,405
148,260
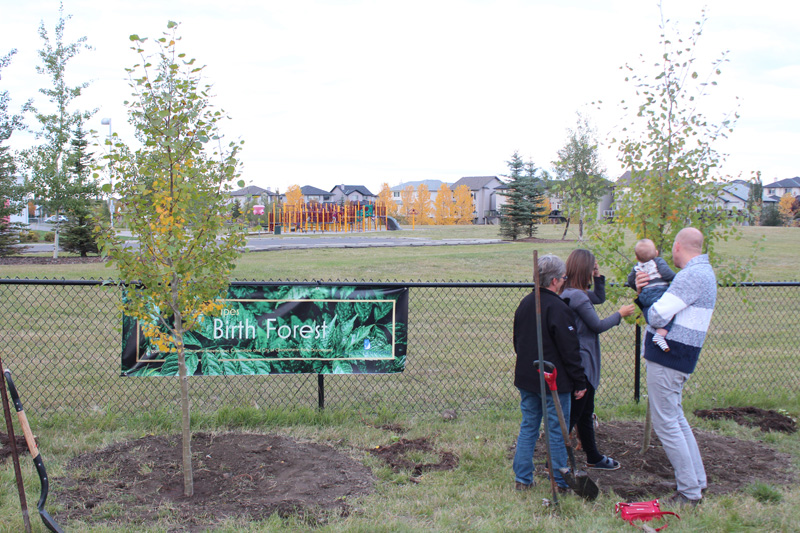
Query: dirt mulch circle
766,420
235,475
24,260
731,464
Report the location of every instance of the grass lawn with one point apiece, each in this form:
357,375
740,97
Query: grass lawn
476,496
512,261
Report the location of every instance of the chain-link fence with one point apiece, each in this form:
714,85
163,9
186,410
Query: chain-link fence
62,340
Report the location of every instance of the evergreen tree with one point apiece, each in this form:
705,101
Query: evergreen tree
236,210
80,229
524,207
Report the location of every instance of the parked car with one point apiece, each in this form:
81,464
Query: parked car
54,219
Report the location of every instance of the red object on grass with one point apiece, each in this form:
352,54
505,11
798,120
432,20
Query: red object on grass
644,511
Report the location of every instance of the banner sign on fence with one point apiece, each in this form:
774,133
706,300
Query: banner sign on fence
285,329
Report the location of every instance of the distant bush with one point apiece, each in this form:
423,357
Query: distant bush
49,236
28,236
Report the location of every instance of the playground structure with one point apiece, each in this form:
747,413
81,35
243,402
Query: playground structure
315,217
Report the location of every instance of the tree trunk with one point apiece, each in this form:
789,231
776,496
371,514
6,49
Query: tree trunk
186,431
55,241
566,228
648,426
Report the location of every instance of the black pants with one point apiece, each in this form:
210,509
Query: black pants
580,416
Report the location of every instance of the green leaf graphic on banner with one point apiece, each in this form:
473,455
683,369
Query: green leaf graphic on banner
170,366
341,367
382,309
191,363
211,364
230,368
363,310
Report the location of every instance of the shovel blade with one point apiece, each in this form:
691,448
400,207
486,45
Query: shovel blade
580,483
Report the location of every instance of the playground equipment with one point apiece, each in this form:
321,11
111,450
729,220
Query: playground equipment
314,217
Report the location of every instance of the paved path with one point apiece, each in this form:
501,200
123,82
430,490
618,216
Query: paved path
268,242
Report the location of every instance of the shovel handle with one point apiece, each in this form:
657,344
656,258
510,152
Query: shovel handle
23,419
550,373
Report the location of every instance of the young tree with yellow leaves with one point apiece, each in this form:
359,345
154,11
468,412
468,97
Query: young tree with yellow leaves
464,205
172,191
294,197
385,200
407,195
444,207
786,208
422,204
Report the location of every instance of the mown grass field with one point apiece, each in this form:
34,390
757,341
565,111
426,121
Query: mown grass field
511,261
478,495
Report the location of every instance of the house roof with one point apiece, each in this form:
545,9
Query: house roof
740,190
251,190
432,185
788,183
476,182
348,189
310,190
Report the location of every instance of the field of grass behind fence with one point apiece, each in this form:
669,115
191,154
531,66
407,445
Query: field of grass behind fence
63,341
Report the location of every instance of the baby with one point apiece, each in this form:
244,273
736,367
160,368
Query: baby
660,277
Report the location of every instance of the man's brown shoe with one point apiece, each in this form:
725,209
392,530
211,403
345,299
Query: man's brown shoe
681,501
523,486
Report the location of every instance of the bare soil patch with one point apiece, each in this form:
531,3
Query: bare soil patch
397,457
766,420
256,475
731,464
235,475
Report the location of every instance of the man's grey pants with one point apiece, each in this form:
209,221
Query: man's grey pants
665,389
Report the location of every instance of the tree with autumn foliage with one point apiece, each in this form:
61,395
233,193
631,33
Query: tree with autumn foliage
669,148
464,209
294,197
385,200
172,191
407,196
444,207
423,205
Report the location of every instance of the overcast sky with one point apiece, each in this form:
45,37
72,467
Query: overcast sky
325,92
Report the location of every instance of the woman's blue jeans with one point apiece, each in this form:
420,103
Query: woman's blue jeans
531,406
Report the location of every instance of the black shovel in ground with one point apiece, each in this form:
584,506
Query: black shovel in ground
48,520
578,480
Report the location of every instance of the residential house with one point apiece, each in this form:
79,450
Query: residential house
252,193
312,194
352,193
774,191
432,185
485,196
733,196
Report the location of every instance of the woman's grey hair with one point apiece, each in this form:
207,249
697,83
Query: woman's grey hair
550,267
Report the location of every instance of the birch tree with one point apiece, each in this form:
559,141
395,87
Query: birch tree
172,190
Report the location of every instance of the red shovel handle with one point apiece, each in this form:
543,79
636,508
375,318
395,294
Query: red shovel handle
549,377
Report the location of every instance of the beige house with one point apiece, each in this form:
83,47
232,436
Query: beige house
485,197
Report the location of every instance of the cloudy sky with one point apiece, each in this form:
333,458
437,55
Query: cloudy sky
325,92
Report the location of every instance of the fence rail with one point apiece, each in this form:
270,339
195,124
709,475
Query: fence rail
62,339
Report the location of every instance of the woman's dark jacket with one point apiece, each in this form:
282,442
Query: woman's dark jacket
560,343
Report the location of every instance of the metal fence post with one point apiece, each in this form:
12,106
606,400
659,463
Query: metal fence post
637,373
